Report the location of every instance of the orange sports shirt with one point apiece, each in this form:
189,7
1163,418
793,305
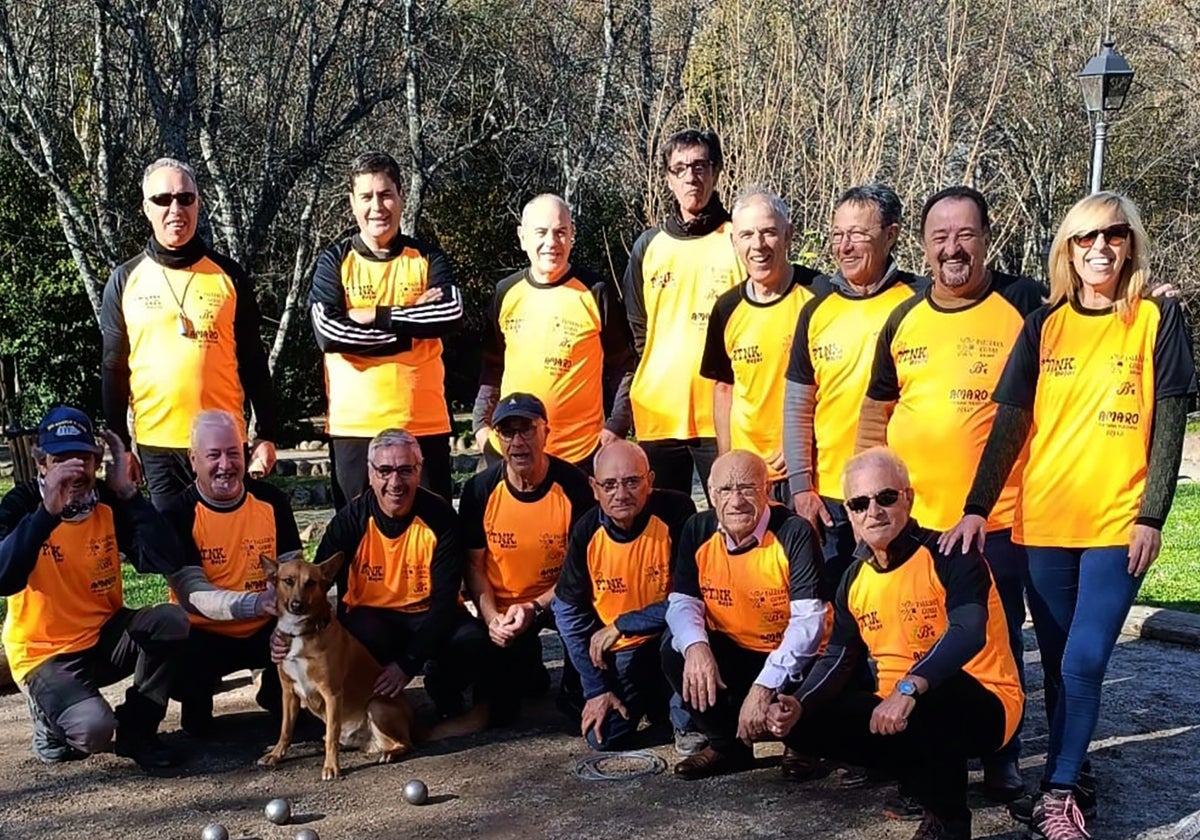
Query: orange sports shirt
1091,380
940,367
748,347
671,285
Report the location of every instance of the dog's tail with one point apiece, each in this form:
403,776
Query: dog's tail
468,723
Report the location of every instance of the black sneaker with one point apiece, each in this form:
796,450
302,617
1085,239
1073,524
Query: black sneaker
1084,794
902,807
932,828
48,746
1057,817
147,751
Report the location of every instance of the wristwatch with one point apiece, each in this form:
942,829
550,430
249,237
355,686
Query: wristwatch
538,610
907,687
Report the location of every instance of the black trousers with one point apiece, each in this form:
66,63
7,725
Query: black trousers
145,643
950,723
208,656
455,665
739,668
672,462
167,471
349,460
513,673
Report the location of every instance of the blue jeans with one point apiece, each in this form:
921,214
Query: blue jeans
1010,570
1078,599
837,545
642,689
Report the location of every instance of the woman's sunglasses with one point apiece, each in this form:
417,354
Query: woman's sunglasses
1113,235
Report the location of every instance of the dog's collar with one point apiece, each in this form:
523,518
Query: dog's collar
295,625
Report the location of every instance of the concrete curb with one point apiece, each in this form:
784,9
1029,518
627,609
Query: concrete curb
1162,625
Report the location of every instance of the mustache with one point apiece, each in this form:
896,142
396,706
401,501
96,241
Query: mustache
957,255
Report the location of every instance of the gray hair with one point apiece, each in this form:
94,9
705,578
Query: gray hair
881,195
551,197
876,456
756,194
393,437
168,163
215,417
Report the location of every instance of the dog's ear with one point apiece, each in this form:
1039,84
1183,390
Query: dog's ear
269,566
329,568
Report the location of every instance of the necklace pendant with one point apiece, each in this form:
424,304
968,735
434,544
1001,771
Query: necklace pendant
185,326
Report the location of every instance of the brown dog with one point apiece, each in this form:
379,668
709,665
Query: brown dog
330,671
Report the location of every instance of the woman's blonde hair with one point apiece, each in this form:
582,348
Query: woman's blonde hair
1087,215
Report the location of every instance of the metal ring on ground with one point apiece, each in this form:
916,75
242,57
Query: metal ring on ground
619,766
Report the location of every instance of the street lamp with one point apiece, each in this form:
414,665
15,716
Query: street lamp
1105,80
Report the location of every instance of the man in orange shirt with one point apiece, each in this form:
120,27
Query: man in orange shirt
181,335
380,303
67,632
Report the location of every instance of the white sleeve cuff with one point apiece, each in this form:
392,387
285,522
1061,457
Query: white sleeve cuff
685,618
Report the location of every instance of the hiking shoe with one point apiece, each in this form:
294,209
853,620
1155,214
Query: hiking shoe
933,828
147,750
1057,817
903,807
690,743
1084,792
48,746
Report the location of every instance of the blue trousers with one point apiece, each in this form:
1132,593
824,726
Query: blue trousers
643,690
1010,570
1078,599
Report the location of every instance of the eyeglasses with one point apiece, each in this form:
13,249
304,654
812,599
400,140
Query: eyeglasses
884,498
185,199
696,167
743,490
406,472
1113,235
524,432
629,482
856,235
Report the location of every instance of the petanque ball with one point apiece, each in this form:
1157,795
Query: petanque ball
278,811
306,834
214,831
415,792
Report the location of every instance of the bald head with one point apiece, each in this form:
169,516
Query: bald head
737,487
546,235
736,467
623,481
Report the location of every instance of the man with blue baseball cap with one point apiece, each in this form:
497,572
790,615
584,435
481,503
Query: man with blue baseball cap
67,632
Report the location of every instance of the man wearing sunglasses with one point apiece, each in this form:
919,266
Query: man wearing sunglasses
180,327
398,590
610,604
516,516
747,614
947,685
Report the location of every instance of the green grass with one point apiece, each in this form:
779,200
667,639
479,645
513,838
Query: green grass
1174,579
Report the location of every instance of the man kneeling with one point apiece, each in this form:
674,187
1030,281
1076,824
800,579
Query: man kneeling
746,613
903,602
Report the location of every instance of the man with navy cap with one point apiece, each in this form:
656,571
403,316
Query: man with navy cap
516,517
67,632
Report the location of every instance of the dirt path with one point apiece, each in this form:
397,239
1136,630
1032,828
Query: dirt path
518,784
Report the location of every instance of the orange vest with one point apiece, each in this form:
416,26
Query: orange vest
393,574
629,576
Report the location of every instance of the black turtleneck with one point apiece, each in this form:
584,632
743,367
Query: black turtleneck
703,223
252,369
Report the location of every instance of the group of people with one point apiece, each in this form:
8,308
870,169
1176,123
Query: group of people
893,466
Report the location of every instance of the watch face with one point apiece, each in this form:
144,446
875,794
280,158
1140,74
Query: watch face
906,687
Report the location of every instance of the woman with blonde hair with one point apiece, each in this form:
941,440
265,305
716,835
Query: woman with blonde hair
1098,386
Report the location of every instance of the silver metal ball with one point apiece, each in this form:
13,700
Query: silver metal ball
415,792
306,834
278,811
214,831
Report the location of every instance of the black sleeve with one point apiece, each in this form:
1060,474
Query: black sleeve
804,556
180,516
436,319
287,534
1025,294
845,651
967,583
472,505
24,526
1162,466
491,364
253,370
1019,379
445,582
114,365
1010,430
575,484
333,328
800,367
715,364
574,581
344,534
685,579
885,382
677,508
635,299
620,360
1174,367
146,539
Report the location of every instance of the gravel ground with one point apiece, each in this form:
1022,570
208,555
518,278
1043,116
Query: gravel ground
519,783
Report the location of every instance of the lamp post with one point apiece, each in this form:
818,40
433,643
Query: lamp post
1105,81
